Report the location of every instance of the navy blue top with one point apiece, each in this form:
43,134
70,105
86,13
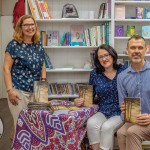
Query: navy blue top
27,66
106,91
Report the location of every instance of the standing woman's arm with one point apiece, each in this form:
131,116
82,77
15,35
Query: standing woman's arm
12,95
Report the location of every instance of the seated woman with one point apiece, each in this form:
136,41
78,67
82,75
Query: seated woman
102,126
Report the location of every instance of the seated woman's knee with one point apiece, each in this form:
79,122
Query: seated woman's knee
107,127
91,123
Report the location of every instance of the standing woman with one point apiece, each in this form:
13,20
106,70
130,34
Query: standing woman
102,126
23,64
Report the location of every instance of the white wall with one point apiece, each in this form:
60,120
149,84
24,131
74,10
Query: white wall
6,31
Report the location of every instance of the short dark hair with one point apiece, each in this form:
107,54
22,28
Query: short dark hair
136,37
111,51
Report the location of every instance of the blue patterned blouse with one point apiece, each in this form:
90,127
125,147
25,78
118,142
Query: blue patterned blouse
106,91
27,66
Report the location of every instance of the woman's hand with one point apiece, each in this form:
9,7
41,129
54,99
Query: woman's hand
122,108
143,119
13,96
78,102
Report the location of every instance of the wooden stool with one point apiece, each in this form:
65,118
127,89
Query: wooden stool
146,145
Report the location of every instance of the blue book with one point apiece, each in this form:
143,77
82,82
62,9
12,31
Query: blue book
147,13
146,31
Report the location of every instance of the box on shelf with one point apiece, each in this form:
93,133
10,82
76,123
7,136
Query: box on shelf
119,11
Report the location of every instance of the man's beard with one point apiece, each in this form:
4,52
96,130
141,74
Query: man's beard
137,60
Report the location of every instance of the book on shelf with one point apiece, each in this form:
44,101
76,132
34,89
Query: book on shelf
47,61
92,56
102,11
34,9
119,30
148,49
63,89
52,38
105,10
139,12
62,39
43,38
48,10
119,11
43,9
86,92
146,13
39,9
77,35
146,31
132,108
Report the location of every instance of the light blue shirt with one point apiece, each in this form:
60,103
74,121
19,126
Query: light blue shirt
131,83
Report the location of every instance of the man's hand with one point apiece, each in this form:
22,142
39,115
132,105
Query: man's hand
143,119
13,97
122,108
78,102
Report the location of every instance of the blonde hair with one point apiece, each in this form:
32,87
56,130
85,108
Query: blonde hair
18,34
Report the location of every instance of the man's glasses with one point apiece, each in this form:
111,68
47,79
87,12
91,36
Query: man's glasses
106,56
28,25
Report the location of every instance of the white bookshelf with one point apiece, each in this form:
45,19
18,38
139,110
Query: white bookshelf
130,11
75,56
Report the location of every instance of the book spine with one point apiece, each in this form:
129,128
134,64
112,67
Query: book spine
109,9
107,33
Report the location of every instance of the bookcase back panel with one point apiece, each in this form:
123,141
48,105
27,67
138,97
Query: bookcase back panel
69,57
82,7
120,45
68,77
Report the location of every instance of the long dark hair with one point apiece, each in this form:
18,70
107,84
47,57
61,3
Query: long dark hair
111,51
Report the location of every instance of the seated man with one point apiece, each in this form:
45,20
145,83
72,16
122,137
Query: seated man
134,82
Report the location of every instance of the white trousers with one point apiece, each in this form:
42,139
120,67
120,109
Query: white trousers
101,130
26,97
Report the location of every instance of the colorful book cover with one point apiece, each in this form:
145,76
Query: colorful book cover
139,12
53,38
146,31
76,35
147,13
133,108
119,30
